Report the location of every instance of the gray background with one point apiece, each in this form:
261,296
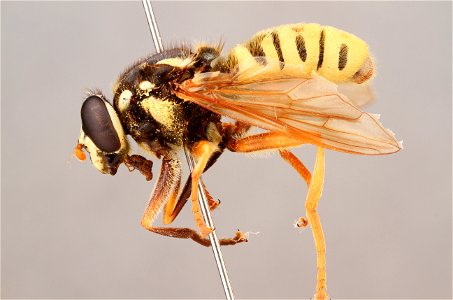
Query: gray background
69,232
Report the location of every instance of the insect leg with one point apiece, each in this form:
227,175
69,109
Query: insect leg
167,188
170,215
202,151
296,164
262,141
238,129
138,162
311,202
274,140
303,172
186,191
213,204
173,209
315,185
165,191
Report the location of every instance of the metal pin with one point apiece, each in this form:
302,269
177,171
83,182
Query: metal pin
212,236
153,25
201,194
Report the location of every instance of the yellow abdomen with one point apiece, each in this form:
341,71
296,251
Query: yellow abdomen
332,53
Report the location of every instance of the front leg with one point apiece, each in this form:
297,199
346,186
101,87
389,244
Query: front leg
138,162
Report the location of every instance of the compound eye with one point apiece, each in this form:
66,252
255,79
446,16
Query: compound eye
98,125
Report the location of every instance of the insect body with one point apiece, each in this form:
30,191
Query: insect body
284,80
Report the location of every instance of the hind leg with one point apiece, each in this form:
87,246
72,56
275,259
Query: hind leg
273,140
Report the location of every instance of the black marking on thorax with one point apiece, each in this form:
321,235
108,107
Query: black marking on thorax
141,125
153,59
136,121
197,121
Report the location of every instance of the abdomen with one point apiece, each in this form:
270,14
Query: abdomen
334,54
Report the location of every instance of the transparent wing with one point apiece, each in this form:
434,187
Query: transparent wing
307,108
359,94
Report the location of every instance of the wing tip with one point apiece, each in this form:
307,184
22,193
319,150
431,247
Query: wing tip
394,146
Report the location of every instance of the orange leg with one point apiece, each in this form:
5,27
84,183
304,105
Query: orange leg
201,151
263,141
311,203
272,140
297,165
303,172
212,203
166,189
173,209
236,130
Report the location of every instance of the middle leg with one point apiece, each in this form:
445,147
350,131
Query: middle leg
201,151
166,189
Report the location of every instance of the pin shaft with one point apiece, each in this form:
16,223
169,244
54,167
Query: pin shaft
215,245
153,25
212,236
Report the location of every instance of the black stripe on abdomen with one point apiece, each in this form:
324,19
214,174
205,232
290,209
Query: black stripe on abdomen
256,50
321,50
277,46
342,57
300,44
254,46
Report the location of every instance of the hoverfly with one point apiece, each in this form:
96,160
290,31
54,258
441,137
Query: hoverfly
284,80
